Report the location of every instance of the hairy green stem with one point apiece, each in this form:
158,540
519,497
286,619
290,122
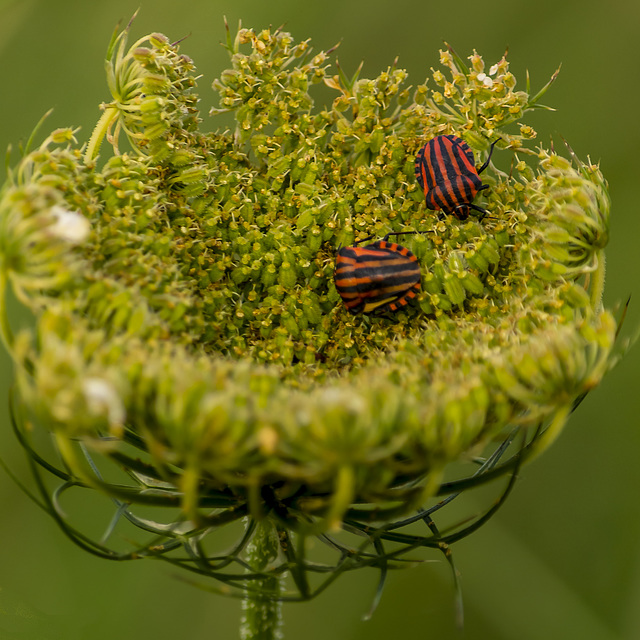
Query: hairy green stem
99,133
261,610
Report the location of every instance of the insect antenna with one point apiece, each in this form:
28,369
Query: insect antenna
486,164
357,242
398,233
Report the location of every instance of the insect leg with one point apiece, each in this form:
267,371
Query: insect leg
486,164
363,240
484,212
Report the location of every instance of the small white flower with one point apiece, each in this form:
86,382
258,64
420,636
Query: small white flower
334,397
485,79
102,398
493,70
68,225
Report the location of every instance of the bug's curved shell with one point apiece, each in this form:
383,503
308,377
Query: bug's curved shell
382,276
446,172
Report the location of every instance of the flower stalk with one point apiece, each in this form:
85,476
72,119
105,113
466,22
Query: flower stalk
99,132
261,606
6,332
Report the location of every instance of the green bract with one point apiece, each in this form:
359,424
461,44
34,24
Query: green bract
191,331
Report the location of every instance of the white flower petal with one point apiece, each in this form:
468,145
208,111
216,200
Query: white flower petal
102,397
68,225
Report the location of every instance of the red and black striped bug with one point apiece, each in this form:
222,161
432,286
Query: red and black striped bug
378,277
446,172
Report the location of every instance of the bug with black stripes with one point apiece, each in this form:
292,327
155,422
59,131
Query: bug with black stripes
378,277
446,172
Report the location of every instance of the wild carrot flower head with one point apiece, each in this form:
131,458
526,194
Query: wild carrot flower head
190,350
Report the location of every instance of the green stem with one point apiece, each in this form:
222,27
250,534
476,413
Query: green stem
261,609
597,286
6,334
99,133
550,434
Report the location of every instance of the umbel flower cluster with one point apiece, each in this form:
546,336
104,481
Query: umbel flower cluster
189,350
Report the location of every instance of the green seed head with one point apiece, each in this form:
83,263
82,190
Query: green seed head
187,324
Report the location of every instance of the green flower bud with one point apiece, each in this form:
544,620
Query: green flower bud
489,250
472,283
454,288
477,261
456,262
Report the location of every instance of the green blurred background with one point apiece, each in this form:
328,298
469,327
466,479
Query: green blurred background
562,558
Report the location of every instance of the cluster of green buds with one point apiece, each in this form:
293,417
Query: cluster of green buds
189,349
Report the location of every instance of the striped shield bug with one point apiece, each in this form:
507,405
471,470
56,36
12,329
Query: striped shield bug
378,277
446,172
